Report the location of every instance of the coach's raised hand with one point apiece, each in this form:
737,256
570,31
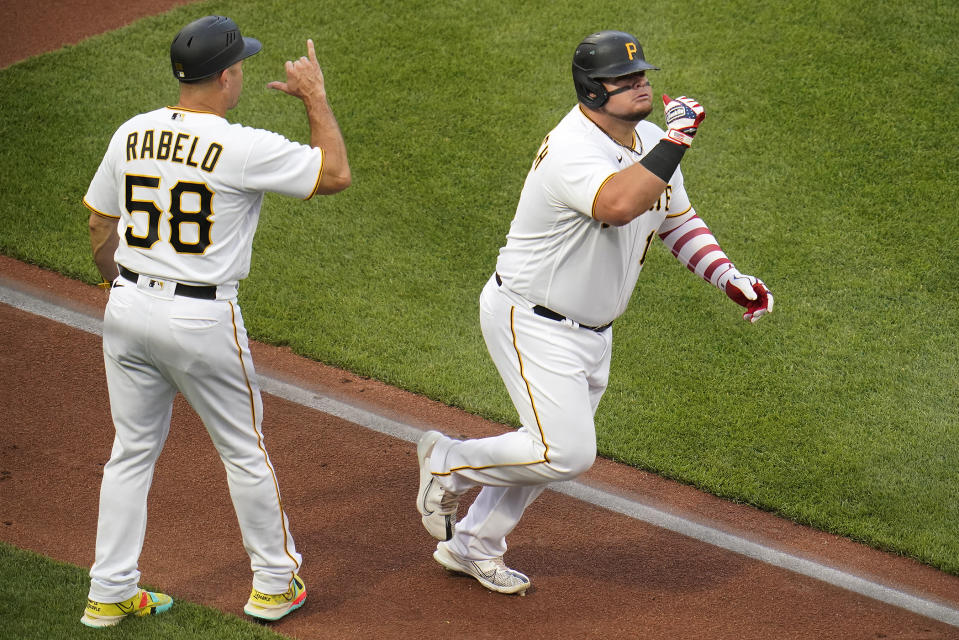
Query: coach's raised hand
304,79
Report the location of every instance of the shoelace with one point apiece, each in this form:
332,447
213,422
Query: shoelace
504,575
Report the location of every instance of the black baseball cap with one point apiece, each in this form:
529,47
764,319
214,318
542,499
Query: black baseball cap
207,46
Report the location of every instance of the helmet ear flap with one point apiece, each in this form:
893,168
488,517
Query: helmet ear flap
591,93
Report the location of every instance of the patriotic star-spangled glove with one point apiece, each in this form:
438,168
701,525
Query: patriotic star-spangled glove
749,292
683,116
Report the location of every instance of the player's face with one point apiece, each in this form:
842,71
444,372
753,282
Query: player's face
634,103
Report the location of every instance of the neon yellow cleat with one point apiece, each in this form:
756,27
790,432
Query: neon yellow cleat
107,614
273,607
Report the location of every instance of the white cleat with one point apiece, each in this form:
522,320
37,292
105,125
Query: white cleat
437,505
492,574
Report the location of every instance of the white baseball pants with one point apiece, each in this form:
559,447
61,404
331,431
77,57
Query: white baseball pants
556,375
154,344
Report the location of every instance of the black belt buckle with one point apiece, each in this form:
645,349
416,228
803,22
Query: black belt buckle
188,290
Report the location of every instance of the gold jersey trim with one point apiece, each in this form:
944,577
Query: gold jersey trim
259,436
319,175
98,212
545,458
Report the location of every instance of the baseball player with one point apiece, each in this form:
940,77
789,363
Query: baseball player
602,186
175,203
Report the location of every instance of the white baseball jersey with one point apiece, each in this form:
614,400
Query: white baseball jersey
560,257
557,255
187,187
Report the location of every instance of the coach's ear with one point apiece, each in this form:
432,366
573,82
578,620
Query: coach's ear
225,78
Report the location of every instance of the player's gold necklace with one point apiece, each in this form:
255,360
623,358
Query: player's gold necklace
632,147
636,140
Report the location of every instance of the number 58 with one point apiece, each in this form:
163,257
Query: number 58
200,217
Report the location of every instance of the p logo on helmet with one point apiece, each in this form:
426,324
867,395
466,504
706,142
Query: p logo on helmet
630,49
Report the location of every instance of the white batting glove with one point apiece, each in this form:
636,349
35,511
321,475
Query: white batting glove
683,116
749,292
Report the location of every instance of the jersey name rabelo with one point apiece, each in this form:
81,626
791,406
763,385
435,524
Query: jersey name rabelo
180,147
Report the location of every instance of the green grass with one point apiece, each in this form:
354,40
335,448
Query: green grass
56,593
828,165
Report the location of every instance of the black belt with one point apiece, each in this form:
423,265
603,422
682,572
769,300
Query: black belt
540,310
188,290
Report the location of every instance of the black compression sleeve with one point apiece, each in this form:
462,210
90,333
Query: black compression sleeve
663,159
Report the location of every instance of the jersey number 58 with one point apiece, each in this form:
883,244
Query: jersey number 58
177,216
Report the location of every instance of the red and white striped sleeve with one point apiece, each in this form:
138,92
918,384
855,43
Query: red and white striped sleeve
693,244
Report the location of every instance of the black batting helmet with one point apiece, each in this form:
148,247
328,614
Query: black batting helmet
605,54
207,46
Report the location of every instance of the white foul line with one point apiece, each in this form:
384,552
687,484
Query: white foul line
575,489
